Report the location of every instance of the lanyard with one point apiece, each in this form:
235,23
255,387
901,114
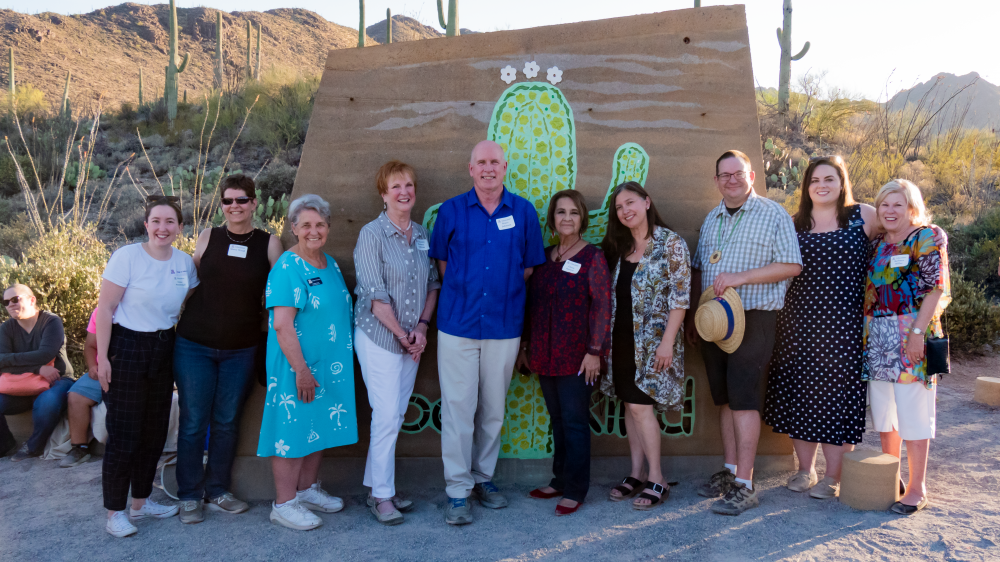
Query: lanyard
720,245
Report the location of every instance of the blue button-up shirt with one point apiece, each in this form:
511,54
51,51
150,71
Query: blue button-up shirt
483,292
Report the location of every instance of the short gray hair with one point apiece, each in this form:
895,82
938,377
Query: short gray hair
308,202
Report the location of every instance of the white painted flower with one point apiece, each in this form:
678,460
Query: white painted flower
555,75
333,333
336,411
313,436
337,368
280,448
531,69
314,301
286,401
508,74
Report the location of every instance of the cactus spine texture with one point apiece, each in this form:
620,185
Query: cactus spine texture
65,109
175,65
785,73
219,68
388,25
256,72
451,25
361,24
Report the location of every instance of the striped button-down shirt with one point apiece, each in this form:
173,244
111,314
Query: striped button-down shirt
391,271
764,234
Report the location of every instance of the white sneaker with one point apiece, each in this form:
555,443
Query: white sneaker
294,516
316,499
119,526
152,509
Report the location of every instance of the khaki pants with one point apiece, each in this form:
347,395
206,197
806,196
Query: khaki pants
475,375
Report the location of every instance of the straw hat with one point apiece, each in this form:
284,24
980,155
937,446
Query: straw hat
718,318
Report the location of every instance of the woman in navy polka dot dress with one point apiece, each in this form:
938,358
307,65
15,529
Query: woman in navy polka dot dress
815,393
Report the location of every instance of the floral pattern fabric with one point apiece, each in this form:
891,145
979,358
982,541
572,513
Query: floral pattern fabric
661,283
893,296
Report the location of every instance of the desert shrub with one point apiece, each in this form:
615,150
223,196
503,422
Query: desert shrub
28,100
15,236
975,248
281,116
9,185
63,267
276,180
972,320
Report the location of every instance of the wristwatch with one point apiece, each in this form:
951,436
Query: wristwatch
917,331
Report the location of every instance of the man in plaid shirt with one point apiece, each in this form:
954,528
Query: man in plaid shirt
748,243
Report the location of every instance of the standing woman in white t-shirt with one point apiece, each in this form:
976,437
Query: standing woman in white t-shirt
143,290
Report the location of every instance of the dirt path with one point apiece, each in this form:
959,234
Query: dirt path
47,513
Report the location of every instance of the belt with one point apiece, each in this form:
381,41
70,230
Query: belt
162,335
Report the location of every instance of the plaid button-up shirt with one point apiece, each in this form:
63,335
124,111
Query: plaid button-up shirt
765,235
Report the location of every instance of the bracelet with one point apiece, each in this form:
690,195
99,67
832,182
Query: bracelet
404,337
422,321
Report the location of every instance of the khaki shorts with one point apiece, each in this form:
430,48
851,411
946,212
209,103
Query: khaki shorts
908,408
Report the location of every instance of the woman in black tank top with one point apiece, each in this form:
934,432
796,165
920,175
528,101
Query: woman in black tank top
217,338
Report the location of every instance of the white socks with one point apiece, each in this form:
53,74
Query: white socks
731,467
747,483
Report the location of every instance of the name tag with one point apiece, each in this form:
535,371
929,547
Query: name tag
314,281
505,223
181,280
422,245
237,251
571,267
899,261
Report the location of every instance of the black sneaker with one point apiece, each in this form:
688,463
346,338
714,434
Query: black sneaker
7,446
23,453
76,456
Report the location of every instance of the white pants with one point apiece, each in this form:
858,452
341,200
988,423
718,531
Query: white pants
475,375
389,378
908,408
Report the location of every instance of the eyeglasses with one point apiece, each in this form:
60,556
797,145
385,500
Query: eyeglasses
13,300
162,198
724,178
238,200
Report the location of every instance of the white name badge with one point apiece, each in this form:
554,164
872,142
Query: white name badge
422,245
505,223
571,267
899,261
181,280
237,250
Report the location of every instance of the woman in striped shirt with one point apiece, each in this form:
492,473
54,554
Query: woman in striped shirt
397,290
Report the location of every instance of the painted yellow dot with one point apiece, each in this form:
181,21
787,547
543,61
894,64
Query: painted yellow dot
506,117
523,168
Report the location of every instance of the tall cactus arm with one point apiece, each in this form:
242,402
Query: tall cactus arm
803,52
183,64
451,24
441,20
780,36
388,26
361,23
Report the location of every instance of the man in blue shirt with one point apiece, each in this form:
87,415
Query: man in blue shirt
486,242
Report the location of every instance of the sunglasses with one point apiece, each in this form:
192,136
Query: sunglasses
239,200
13,300
161,198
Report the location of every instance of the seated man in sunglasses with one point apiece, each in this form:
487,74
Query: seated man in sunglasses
32,341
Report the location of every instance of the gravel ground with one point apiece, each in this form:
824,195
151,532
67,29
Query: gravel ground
47,513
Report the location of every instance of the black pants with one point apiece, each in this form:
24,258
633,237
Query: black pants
138,401
568,401
740,378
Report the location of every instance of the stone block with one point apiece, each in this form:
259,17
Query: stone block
869,480
987,391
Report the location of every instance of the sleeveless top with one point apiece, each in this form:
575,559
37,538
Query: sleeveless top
226,309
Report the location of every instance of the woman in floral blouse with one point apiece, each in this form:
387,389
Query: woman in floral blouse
906,291
566,332
652,283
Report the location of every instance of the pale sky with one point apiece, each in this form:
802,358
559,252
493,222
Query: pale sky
864,46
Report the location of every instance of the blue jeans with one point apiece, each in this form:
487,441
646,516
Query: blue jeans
212,385
47,410
568,401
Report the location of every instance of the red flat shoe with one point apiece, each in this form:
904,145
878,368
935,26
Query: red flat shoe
563,510
538,494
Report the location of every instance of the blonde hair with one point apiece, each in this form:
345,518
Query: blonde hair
914,200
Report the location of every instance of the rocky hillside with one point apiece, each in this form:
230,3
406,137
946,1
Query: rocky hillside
105,49
980,97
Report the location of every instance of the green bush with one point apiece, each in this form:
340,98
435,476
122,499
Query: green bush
976,249
9,185
73,172
972,320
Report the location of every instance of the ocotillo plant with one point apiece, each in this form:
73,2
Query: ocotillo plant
248,69
785,73
388,25
219,67
65,109
256,72
175,65
140,86
451,25
361,24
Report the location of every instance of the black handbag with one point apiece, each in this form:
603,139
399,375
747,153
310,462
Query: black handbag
938,353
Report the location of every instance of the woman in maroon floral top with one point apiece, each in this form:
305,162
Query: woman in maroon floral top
566,332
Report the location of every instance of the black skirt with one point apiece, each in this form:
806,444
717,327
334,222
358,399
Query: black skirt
623,341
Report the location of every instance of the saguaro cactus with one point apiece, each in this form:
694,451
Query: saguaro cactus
65,109
175,65
256,72
248,69
388,25
451,25
140,86
220,68
785,72
361,24
10,80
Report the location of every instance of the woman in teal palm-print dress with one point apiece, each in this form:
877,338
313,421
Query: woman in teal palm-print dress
310,403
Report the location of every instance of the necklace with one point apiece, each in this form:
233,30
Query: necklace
230,235
559,254
402,231
717,254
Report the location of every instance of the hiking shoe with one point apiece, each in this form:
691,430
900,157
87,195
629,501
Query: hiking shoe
489,495
802,481
23,454
458,512
738,499
826,489
76,456
119,526
718,485
191,512
316,499
227,503
294,516
152,509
